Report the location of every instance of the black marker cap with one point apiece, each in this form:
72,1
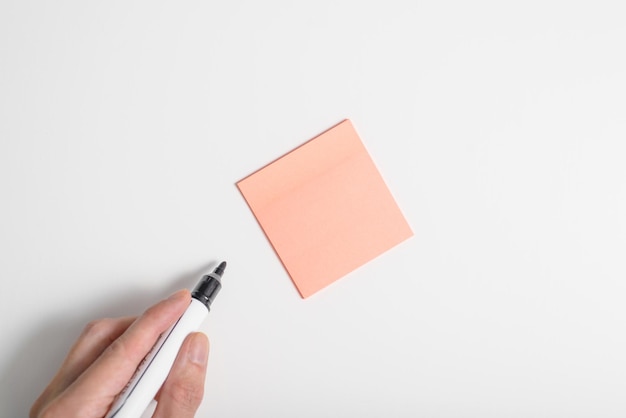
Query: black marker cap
209,286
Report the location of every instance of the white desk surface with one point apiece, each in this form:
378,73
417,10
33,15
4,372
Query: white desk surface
498,126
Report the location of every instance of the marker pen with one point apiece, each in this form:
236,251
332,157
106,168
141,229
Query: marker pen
154,368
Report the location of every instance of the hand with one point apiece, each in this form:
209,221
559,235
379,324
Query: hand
106,355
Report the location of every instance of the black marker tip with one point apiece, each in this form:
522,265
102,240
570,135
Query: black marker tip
219,270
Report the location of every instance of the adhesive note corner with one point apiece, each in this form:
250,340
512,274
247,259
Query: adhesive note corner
325,208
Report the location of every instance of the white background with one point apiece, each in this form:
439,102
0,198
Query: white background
498,126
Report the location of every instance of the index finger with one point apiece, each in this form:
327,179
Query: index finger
108,375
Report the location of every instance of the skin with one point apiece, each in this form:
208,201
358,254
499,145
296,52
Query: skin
105,356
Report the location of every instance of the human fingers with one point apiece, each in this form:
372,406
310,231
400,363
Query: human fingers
94,339
93,392
182,392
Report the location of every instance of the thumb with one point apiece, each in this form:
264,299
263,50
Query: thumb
182,392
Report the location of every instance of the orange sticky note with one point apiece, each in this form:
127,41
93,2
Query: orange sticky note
325,208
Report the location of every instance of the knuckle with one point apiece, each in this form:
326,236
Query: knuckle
118,348
186,394
98,327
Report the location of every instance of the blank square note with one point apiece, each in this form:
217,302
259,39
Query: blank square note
325,208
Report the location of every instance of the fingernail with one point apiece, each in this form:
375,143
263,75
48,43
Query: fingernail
198,349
